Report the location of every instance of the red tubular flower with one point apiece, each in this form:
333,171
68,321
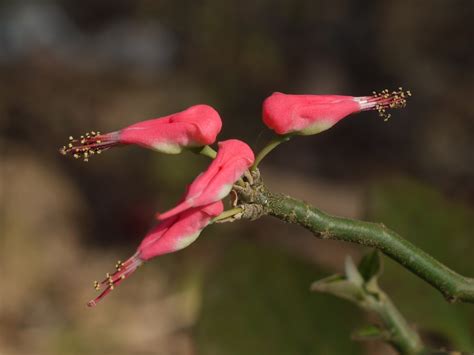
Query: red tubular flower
170,235
311,114
233,158
196,126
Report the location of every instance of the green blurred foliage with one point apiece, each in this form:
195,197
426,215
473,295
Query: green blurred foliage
257,301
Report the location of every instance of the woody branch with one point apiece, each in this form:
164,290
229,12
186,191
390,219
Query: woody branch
453,286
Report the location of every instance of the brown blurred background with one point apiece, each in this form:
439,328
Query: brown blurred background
70,66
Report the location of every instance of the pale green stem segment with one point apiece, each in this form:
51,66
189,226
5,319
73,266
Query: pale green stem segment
366,294
275,142
227,214
402,337
452,285
207,151
362,289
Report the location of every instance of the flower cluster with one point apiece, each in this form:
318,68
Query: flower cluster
199,126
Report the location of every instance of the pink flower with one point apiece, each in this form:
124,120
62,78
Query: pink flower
196,126
233,158
170,235
311,114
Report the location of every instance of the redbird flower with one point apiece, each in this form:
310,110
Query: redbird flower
170,235
311,114
194,127
233,158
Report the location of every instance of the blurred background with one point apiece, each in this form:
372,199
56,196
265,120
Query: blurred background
69,66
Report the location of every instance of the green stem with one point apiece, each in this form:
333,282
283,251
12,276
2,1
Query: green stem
452,285
275,142
206,151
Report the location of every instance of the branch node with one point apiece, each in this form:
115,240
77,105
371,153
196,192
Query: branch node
252,211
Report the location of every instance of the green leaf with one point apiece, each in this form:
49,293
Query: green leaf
339,286
370,266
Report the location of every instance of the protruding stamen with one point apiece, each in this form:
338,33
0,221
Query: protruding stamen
89,144
381,101
124,269
119,265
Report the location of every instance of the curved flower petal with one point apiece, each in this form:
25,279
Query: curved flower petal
195,126
178,231
233,158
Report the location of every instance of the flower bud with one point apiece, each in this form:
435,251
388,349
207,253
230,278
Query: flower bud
170,235
311,114
194,127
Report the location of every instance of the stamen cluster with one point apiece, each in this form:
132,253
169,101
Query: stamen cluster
123,270
86,146
389,100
